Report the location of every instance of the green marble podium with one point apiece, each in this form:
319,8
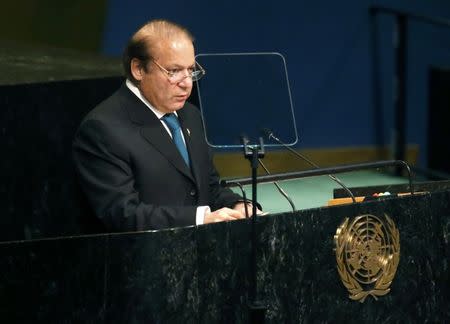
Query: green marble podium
200,274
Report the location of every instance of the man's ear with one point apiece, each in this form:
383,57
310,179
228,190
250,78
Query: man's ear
137,69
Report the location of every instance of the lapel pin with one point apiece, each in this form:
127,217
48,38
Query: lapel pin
188,131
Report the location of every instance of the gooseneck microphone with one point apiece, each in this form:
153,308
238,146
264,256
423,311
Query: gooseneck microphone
269,134
280,190
245,142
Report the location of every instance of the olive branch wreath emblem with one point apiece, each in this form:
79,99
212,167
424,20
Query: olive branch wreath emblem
388,263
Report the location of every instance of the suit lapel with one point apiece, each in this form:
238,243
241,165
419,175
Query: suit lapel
153,131
157,136
191,134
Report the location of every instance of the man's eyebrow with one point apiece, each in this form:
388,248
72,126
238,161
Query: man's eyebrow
179,66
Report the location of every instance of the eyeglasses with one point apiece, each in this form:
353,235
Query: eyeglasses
178,75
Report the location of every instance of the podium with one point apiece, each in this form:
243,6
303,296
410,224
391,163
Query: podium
200,274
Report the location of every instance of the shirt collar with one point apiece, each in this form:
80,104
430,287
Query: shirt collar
138,94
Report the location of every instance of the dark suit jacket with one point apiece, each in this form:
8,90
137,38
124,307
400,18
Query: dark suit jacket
133,174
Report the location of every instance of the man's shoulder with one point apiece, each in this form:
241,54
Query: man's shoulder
107,116
110,107
191,110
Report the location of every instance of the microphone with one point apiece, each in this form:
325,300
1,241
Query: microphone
245,142
269,134
280,190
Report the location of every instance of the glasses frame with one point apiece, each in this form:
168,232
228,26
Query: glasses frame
194,75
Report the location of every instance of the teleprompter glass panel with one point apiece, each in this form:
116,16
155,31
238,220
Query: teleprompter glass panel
245,94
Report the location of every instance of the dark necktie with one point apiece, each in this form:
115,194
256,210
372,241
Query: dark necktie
172,122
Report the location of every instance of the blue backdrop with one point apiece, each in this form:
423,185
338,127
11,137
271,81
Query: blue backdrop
327,49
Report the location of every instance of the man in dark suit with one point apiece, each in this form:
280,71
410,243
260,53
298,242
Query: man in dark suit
140,168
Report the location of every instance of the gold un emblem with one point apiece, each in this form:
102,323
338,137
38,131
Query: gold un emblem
367,255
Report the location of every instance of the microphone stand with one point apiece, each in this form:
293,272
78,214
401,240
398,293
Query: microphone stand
280,190
270,135
257,309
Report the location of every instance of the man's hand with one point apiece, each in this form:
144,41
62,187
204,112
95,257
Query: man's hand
223,214
241,208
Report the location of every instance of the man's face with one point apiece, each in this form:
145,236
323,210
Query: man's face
167,97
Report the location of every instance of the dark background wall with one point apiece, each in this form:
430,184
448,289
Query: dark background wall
39,194
74,24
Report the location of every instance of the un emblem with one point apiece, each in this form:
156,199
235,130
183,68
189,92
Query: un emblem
367,255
